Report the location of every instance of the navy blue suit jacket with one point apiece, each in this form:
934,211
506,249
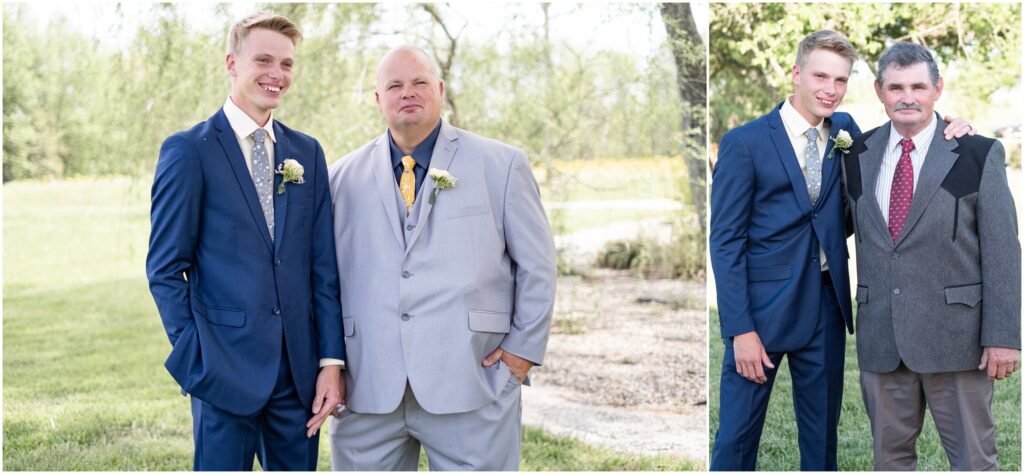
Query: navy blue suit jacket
765,234
228,295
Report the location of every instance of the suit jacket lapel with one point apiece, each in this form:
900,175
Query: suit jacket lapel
870,162
384,176
441,158
784,149
828,166
281,150
936,165
233,153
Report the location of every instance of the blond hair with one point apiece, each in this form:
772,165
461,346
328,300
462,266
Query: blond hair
239,31
828,40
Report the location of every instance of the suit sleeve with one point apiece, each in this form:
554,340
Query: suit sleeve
732,198
1000,255
175,215
326,292
529,244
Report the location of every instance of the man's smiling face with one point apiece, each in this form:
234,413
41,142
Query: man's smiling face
820,84
261,72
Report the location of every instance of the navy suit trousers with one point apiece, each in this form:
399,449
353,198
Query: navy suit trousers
817,373
276,434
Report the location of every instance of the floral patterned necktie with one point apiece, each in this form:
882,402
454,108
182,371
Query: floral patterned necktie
263,177
813,161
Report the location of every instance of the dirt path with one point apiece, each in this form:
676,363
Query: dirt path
625,366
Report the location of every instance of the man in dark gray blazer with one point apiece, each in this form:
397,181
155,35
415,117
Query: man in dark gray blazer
939,272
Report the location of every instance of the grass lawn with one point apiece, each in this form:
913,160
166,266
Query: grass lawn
624,178
778,451
84,386
609,179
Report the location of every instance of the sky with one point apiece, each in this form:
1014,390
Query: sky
596,25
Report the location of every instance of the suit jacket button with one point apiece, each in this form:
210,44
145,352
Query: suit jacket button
895,256
896,291
410,227
405,316
277,311
277,261
406,274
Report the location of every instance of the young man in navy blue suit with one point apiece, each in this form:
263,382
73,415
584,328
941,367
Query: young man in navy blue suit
242,267
778,250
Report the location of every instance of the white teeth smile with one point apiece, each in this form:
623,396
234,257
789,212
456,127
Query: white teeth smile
829,103
272,88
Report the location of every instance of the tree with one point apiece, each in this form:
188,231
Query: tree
753,46
444,54
691,70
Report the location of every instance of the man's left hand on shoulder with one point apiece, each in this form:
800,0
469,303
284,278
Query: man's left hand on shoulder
957,127
517,365
1001,362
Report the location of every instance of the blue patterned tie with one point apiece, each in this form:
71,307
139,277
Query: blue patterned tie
813,161
263,177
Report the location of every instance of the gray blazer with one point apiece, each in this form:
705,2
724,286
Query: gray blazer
951,284
426,300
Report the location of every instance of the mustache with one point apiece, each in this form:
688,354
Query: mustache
902,106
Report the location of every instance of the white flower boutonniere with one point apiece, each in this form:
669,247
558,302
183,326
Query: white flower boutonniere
291,172
842,141
442,180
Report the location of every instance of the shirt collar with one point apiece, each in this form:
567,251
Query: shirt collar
921,139
242,124
421,153
796,124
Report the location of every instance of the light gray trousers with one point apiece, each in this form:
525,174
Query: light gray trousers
486,439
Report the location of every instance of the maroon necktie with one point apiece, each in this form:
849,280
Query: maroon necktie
902,190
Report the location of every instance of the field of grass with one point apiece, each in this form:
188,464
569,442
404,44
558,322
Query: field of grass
84,386
778,451
609,179
624,178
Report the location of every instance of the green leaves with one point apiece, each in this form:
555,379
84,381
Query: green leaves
753,47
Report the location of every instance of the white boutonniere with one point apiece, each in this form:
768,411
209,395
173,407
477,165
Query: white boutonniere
842,141
291,172
442,180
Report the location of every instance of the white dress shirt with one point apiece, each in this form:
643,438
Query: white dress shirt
891,157
796,125
243,125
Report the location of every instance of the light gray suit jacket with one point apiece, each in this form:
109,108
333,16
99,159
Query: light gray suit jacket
951,284
428,300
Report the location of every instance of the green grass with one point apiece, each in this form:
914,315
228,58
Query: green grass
624,178
573,220
778,450
609,179
84,386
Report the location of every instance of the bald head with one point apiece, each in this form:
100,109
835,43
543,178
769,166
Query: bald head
409,94
406,54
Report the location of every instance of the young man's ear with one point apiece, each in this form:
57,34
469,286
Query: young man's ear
229,64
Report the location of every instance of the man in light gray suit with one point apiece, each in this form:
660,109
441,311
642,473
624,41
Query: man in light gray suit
939,272
447,269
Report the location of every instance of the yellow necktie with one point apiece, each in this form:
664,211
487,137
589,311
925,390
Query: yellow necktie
408,183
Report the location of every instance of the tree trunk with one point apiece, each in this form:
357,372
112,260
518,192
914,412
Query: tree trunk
691,77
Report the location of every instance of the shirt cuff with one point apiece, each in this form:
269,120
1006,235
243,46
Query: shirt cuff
328,361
